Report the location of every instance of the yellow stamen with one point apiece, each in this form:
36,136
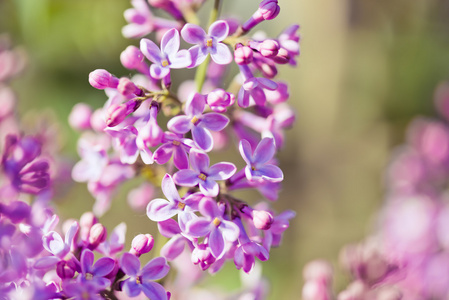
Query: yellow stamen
89,276
209,43
139,280
216,222
202,176
181,205
253,168
164,63
194,120
176,143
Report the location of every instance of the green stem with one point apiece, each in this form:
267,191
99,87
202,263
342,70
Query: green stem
201,71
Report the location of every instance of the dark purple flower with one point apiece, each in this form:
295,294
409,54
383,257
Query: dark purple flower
95,273
257,168
207,43
161,209
199,124
174,146
141,280
214,226
166,58
203,175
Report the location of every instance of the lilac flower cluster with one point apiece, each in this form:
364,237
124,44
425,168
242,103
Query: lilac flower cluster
128,137
407,257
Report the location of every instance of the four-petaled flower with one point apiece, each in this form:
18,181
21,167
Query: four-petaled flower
95,272
208,43
141,280
202,174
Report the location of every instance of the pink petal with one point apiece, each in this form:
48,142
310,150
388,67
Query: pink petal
173,248
222,171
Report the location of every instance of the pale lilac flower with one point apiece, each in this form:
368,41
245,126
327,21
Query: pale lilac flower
209,43
167,57
141,280
86,291
175,246
199,124
93,160
175,146
115,242
258,167
253,88
161,209
203,175
95,273
214,226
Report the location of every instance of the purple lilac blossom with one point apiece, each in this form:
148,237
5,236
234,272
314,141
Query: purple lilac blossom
199,124
175,146
95,273
203,175
209,43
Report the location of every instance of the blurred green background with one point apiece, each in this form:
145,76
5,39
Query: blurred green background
366,69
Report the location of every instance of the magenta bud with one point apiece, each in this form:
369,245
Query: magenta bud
269,48
87,220
63,270
127,88
282,57
262,219
269,9
132,58
141,244
79,117
219,100
117,113
268,70
168,6
101,79
243,55
97,235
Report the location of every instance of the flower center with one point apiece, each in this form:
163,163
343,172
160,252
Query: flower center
176,143
194,120
216,222
202,176
89,276
85,295
165,63
209,43
253,168
139,279
181,205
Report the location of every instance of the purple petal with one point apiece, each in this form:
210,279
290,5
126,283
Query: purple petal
270,172
169,189
221,171
150,50
243,98
53,243
102,283
71,234
209,208
195,105
180,124
131,288
186,177
130,264
161,210
229,230
168,228
203,138
216,243
159,72
199,161
209,187
198,55
155,269
163,153
219,30
180,158
173,248
193,34
103,266
170,42
259,96
246,151
239,258
267,83
180,60
184,218
264,151
222,55
214,121
198,227
87,260
154,291
46,262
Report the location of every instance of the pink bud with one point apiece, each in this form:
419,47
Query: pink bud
87,220
127,88
269,9
243,55
219,100
97,120
132,58
101,79
262,219
63,270
282,57
97,235
269,48
117,113
318,270
79,117
141,244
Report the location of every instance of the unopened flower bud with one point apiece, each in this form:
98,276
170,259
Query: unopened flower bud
87,220
79,117
97,235
219,100
262,219
168,6
63,270
269,9
127,88
269,48
101,79
141,244
132,58
117,113
282,57
243,55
